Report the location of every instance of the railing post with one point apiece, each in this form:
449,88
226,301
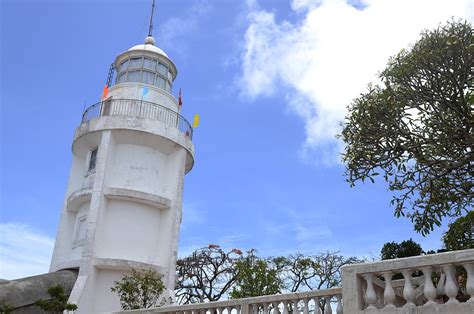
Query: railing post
244,308
351,289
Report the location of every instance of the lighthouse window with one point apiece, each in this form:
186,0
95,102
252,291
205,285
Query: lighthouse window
170,76
121,78
148,77
123,66
160,82
135,62
149,64
133,76
93,159
162,69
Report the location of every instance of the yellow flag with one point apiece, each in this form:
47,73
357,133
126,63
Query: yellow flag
196,121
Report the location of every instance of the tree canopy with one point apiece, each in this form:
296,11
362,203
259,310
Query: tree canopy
391,250
256,278
416,129
459,235
140,290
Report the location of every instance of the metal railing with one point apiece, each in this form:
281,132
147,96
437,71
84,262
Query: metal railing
140,109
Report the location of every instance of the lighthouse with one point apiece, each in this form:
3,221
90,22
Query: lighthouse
123,203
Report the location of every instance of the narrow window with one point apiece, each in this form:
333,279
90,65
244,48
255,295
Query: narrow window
93,159
80,232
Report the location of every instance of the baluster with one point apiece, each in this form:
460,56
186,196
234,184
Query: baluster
328,309
388,293
408,290
295,307
276,310
339,309
285,307
265,308
306,306
429,290
370,296
316,306
450,287
229,309
469,267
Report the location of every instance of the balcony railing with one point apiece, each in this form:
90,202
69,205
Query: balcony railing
140,109
437,283
309,302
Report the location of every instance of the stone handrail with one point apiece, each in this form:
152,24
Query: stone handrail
370,287
298,302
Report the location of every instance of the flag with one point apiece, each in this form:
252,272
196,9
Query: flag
105,92
196,121
145,91
180,101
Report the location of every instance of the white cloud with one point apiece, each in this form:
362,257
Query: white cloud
23,252
328,56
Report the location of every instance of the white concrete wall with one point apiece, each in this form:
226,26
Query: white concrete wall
104,299
131,230
137,167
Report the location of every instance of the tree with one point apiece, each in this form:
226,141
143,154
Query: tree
460,234
140,290
57,303
417,127
5,307
391,250
256,278
206,275
300,272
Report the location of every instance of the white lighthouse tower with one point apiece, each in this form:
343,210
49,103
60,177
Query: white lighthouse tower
122,207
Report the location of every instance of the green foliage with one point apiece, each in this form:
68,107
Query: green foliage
391,250
140,290
5,307
256,278
459,235
57,303
416,130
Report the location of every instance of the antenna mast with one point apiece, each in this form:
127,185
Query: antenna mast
150,29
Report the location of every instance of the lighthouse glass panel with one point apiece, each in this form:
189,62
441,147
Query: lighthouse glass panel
135,63
145,70
149,64
148,77
162,69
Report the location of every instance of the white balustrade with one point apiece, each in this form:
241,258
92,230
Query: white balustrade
370,295
450,287
389,294
362,282
429,290
469,267
296,303
408,290
367,286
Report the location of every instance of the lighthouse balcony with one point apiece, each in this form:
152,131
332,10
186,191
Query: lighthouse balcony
139,109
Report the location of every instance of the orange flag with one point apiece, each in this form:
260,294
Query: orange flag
105,92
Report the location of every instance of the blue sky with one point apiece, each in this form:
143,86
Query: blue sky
270,80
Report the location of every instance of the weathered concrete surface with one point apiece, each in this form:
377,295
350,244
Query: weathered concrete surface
24,292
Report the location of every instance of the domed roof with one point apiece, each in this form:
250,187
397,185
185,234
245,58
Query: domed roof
149,45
